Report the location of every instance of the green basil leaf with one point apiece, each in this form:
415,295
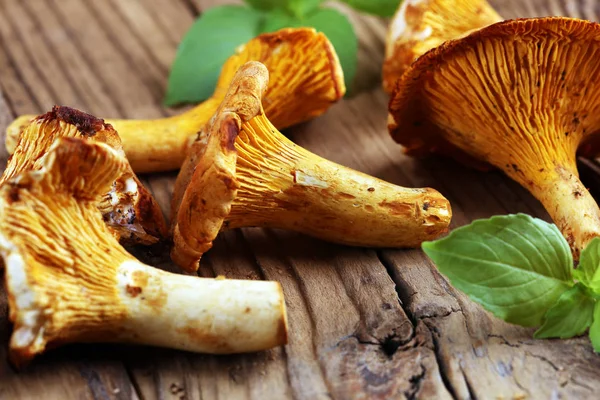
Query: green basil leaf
588,271
570,316
301,8
279,19
340,32
204,49
297,8
595,328
383,8
515,266
265,4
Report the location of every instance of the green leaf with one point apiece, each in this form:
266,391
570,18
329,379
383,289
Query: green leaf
265,4
570,316
298,8
383,8
340,32
515,266
279,19
204,49
595,328
301,8
588,271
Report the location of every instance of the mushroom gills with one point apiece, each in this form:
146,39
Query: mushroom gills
518,95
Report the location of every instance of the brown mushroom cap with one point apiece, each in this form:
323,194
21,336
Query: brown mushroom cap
519,95
128,207
420,25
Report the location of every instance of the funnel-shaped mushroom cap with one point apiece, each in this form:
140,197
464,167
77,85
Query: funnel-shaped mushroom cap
306,78
242,172
305,75
520,95
421,25
128,207
68,279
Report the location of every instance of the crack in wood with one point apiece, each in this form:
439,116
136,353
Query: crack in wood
405,301
93,381
415,384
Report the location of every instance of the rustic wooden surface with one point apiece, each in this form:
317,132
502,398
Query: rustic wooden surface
364,323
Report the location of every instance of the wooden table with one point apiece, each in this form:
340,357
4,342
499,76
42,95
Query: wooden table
364,323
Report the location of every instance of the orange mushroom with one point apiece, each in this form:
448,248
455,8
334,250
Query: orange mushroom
242,172
420,25
306,79
128,208
68,280
520,95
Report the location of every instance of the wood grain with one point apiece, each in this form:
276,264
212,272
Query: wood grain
365,324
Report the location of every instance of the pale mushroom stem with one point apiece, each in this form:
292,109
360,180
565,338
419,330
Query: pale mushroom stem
571,207
285,186
199,314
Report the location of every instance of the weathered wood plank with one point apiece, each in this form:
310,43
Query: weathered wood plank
364,323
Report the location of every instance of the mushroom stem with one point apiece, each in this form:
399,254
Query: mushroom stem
198,314
571,207
161,144
282,185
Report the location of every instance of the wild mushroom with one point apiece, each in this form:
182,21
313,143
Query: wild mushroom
128,207
420,25
520,96
68,279
242,172
306,79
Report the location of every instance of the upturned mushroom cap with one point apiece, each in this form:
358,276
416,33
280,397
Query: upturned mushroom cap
242,172
306,79
420,25
128,207
520,95
68,279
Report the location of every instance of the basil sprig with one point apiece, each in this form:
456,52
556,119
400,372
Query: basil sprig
520,268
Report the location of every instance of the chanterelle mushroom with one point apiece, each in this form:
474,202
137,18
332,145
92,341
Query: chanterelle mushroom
69,280
306,78
128,207
249,174
420,25
520,95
